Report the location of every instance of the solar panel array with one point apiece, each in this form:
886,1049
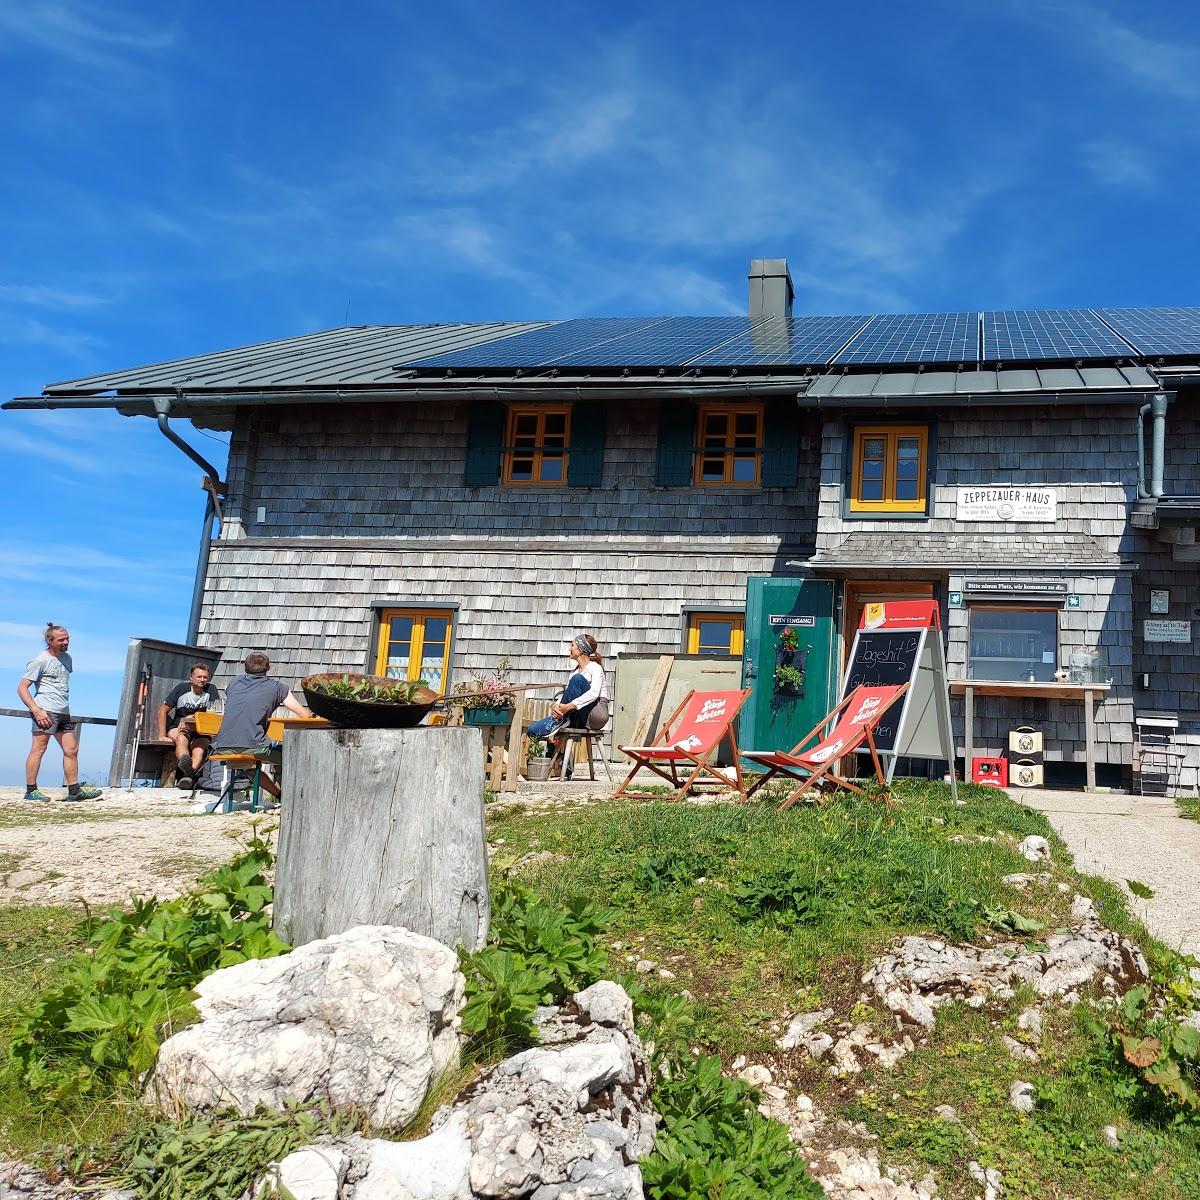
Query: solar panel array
916,337
1157,330
1049,333
1022,335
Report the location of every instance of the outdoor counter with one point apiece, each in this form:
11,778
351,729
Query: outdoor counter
970,688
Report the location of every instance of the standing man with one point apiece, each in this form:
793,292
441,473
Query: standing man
49,675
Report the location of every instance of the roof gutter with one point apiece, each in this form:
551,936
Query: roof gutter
748,389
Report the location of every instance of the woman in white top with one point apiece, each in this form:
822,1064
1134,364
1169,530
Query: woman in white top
584,701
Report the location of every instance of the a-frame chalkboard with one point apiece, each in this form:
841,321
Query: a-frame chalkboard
893,645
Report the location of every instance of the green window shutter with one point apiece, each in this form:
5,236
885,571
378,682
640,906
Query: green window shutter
485,433
676,443
781,444
585,457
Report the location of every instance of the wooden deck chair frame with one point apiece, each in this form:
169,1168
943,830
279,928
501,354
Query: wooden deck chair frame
699,765
816,776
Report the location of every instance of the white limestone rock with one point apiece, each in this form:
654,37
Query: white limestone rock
1035,849
314,1173
606,1003
1022,1096
368,1017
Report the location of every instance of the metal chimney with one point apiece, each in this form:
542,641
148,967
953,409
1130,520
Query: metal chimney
770,288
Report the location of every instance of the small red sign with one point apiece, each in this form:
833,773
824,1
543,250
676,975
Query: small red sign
901,614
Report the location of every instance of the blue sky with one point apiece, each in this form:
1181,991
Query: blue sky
183,177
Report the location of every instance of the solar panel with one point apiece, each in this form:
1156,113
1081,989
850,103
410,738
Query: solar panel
670,342
1157,330
541,346
916,337
1048,333
785,341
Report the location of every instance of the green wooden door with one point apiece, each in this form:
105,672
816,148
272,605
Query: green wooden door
788,661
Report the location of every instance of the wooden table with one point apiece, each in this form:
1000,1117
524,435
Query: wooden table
278,726
970,688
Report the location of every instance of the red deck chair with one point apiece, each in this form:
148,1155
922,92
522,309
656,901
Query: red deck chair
688,741
860,712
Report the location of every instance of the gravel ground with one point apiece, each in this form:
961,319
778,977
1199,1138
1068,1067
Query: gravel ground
1134,837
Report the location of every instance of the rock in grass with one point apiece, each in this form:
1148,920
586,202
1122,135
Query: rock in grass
1022,1096
314,1173
368,1017
1035,849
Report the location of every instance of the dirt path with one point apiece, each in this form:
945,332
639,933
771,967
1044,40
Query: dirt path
1134,837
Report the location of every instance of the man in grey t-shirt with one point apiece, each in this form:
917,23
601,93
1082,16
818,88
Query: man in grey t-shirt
45,689
250,699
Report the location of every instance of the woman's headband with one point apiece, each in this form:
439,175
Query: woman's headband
581,643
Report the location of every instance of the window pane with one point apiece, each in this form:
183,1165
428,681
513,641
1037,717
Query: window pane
715,425
743,469
873,448
397,663
1012,643
554,440
714,441
435,631
747,423
556,423
525,423
552,467
746,441
906,489
715,635
908,447
906,468
713,470
872,469
870,489
522,469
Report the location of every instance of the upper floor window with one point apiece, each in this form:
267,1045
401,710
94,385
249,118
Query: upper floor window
536,444
888,469
729,443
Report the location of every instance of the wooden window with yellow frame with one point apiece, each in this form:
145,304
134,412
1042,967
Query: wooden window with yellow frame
536,442
729,443
888,469
716,633
414,643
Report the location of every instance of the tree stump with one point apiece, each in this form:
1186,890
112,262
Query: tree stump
383,827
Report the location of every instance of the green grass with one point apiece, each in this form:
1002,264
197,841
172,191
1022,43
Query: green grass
1189,807
855,877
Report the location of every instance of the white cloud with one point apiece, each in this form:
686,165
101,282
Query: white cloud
74,343
1119,165
45,296
75,32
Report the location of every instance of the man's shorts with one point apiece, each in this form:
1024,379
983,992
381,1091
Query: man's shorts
59,723
271,753
190,730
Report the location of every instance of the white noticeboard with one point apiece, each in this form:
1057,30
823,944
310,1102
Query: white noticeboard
1167,631
1006,504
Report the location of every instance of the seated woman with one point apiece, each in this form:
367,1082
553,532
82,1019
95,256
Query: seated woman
584,701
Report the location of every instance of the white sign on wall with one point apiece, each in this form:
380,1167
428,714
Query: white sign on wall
1007,504
1167,631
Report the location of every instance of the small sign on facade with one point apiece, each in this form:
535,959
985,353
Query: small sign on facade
1160,602
1072,601
1036,504
795,622
1046,589
1167,631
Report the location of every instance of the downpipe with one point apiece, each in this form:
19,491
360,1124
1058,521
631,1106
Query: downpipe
1158,444
213,488
1142,491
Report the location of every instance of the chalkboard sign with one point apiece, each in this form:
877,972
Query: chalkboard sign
884,658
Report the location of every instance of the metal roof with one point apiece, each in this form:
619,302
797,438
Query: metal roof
919,384
350,355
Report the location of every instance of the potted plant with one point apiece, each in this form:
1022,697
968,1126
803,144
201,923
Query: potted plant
789,680
537,760
483,698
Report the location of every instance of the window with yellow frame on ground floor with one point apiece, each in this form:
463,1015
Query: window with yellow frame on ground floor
888,469
715,633
414,643
729,443
536,444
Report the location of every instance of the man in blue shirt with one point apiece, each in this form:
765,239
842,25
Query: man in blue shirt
250,700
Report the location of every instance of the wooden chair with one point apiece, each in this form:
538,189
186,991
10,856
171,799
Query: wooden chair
688,742
860,711
565,753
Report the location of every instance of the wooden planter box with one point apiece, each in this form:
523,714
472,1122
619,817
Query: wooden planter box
487,716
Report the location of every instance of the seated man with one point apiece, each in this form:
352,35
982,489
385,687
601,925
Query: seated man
250,700
177,721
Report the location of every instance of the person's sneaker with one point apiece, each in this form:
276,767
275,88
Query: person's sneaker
85,793
67,798
35,794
